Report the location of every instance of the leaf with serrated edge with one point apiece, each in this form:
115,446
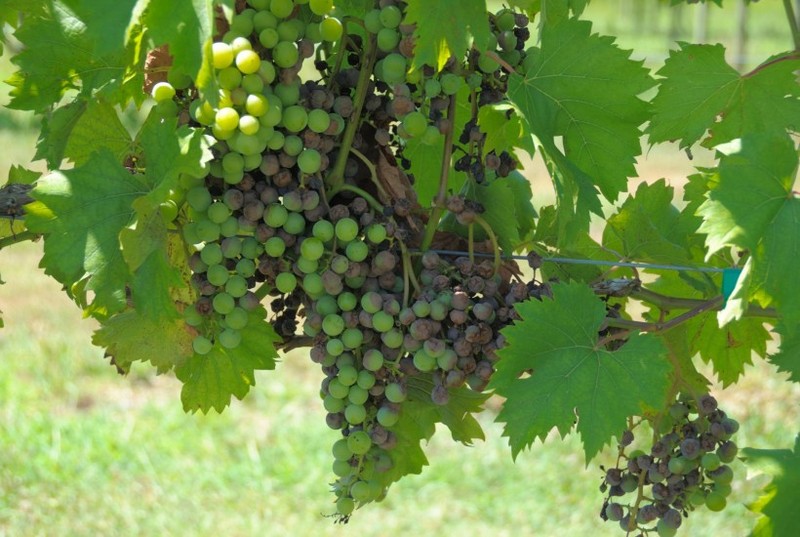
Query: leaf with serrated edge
753,206
99,126
571,376
778,505
209,381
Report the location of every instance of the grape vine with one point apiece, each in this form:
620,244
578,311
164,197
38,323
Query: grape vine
345,177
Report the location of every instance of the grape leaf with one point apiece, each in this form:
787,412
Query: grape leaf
57,55
555,11
130,337
443,29
524,210
504,130
209,381
498,201
582,87
778,505
572,374
701,92
729,347
56,130
353,8
685,374
788,357
81,213
98,126
107,22
753,207
646,227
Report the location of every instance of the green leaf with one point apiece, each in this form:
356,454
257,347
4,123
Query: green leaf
107,22
572,375
778,504
209,381
582,87
788,357
646,228
98,126
498,201
556,11
81,213
56,131
729,347
700,92
57,55
754,207
353,8
446,28
524,211
131,337
23,176
505,131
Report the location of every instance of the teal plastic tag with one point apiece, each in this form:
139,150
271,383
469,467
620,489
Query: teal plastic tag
729,278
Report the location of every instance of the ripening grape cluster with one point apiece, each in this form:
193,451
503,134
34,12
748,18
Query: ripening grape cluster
686,467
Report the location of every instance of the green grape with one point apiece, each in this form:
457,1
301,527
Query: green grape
431,136
295,224
233,161
211,254
722,475
361,491
487,64
264,19
451,83
391,16
346,359
218,212
229,338
288,94
504,20
274,247
372,21
251,162
356,414
629,483
347,301
312,284
388,38
207,231
237,319
295,118
333,325
348,375
256,105
415,123
323,230
372,360
395,392
229,78
312,248
267,72
249,125
346,229
366,379
371,302
236,286
339,264
251,248
394,68
293,145
715,501
320,7
285,54
202,345
246,267
330,29
242,23
387,416
281,8
710,461
338,390
221,55
275,215
432,87
217,275
226,119
319,120
382,321
357,251
334,347
199,198
424,361
309,161
192,317
326,305
288,31
223,303
376,233
352,338
307,266
162,91
393,338
345,506
665,530
341,450
285,282
357,395
333,404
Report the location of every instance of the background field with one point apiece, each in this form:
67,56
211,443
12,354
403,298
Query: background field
84,451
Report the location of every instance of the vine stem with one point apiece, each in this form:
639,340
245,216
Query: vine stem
408,270
712,304
336,178
372,171
790,15
492,238
441,194
375,204
794,55
22,236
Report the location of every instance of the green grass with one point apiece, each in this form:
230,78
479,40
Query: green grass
87,452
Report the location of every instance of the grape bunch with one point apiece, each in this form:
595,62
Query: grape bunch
686,467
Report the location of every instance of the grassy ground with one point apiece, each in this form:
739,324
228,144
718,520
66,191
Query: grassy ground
86,452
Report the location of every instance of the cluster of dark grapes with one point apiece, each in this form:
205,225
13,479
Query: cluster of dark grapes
686,467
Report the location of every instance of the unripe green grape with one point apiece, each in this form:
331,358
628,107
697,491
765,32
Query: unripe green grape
192,317
207,231
431,136
245,268
451,83
218,212
288,94
393,338
275,215
394,68
236,286
391,16
307,266
361,491
347,375
229,338
312,248
372,21
722,475
226,119
432,87
211,254
229,78
251,248
330,29
345,506
199,198
339,264
388,38
372,360
382,321
326,305
222,134
295,224
346,359
395,392
264,19
356,414
256,105
366,379
237,319
376,233
319,120
281,8
320,7
274,247
221,55
225,100
249,125
233,161
323,230
334,347
223,303
346,229
424,361
664,530
352,338
162,91
338,390
727,451
312,284
447,360
309,161
357,251
168,210
347,301
341,450
289,31
276,141
285,54
202,345
724,489
295,118
285,282
629,483
387,416
421,308
333,325
217,275
710,461
715,501
357,395
293,145
242,23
